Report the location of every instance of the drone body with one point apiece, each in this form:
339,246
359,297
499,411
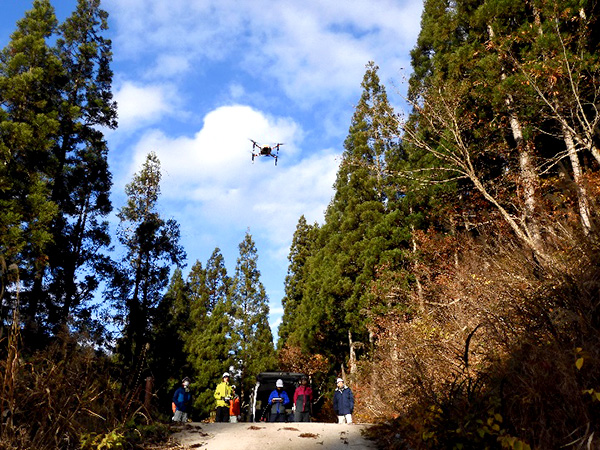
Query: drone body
265,150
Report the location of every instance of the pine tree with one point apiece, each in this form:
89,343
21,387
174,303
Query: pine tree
253,344
29,71
81,180
300,251
208,342
360,227
152,247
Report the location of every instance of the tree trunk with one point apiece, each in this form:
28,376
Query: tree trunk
417,278
595,153
352,361
148,394
582,194
529,178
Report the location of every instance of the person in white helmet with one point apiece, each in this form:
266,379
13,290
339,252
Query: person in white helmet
234,407
278,401
182,401
343,402
223,394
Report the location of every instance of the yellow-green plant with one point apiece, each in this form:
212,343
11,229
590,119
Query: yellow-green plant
113,440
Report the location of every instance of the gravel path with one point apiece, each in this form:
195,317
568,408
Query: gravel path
264,436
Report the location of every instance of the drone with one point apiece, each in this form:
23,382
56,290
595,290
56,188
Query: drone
265,150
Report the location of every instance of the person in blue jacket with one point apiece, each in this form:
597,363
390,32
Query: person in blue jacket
343,402
277,401
182,400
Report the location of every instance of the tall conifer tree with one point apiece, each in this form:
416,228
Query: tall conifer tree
498,89
152,247
254,349
64,182
300,251
29,75
356,233
209,342
81,180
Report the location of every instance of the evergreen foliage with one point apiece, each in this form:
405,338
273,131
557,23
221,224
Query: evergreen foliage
209,342
29,75
360,232
81,180
54,175
167,356
455,274
254,351
301,249
152,246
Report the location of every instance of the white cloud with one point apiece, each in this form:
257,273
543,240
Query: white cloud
139,105
221,152
214,173
169,65
288,59
314,50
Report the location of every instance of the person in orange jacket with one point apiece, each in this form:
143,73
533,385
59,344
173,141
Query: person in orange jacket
234,407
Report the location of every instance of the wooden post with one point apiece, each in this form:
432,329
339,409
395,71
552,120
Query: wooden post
148,395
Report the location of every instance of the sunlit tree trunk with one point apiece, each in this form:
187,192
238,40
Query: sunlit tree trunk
528,174
582,194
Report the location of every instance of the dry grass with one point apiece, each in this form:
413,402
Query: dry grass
60,397
487,355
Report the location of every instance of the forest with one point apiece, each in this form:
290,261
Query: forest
454,281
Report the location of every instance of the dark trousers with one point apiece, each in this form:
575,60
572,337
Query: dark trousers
302,416
222,414
277,417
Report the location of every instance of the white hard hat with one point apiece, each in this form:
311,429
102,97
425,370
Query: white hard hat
279,383
339,380
226,374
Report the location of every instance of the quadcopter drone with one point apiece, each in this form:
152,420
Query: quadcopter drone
265,150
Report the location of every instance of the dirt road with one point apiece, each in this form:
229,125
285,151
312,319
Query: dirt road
265,436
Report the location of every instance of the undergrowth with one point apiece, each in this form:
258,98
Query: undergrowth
504,354
64,397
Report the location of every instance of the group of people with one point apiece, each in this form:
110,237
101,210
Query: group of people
302,404
228,402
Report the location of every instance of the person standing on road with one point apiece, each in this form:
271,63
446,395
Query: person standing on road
234,407
223,394
303,397
277,401
182,400
343,402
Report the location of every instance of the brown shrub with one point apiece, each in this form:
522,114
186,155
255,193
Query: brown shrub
60,394
488,355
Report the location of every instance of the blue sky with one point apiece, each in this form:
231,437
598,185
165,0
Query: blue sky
196,79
